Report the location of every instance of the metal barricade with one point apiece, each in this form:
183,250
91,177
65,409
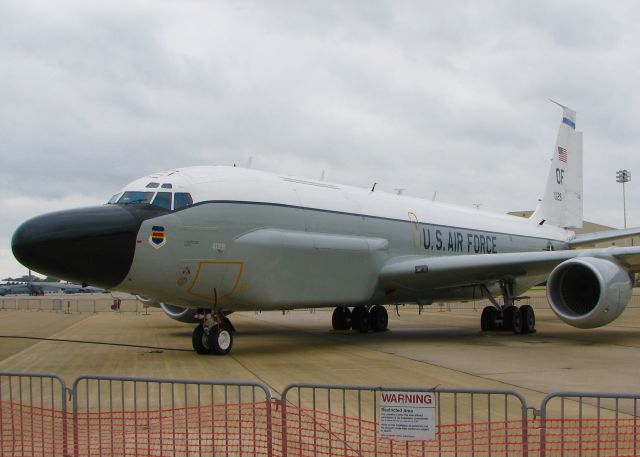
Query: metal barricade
345,420
33,415
177,417
594,423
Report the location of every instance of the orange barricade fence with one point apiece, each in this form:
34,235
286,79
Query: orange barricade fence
33,414
149,417
223,430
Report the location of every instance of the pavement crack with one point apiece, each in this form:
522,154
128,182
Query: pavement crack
103,343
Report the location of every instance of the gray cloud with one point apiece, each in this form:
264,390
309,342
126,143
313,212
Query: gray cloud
410,94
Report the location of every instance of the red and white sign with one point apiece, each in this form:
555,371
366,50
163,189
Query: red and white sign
407,416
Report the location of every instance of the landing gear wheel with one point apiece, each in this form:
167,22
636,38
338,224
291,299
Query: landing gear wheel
513,319
199,340
379,318
361,319
528,319
341,318
488,318
220,340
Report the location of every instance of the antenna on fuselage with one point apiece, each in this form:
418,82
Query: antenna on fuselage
322,176
374,186
399,190
433,199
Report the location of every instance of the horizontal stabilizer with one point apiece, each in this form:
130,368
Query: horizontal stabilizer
607,235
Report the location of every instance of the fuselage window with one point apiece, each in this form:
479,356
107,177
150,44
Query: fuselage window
134,196
152,185
163,200
182,199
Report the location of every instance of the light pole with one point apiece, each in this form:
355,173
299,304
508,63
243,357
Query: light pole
623,176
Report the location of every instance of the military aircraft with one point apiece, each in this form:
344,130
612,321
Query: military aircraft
203,242
41,288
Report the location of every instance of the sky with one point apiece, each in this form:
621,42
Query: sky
436,98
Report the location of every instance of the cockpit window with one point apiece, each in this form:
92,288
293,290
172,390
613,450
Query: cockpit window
163,200
135,196
167,186
152,185
113,199
182,199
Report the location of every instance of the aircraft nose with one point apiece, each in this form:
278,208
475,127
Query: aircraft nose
92,245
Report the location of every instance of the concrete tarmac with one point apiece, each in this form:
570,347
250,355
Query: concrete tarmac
437,348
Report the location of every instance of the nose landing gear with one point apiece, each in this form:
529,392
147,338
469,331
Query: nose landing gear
213,335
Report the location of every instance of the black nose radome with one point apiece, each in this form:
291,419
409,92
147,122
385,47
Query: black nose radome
88,245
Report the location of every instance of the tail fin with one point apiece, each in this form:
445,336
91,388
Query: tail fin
561,204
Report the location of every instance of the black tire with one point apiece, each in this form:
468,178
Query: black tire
513,319
361,319
341,318
528,319
199,341
488,318
379,318
220,340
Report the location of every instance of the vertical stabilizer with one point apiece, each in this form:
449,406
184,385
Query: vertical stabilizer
561,204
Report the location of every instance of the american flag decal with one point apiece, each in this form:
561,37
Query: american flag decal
562,154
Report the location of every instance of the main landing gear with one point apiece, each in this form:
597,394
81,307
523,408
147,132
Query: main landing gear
362,318
508,316
213,335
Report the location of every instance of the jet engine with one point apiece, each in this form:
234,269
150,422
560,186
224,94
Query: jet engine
587,292
186,315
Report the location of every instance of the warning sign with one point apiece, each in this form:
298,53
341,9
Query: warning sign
408,416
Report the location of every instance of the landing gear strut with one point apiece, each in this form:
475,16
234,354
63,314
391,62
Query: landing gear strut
214,335
361,318
508,316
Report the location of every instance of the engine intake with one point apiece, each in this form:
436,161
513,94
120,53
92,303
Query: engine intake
587,292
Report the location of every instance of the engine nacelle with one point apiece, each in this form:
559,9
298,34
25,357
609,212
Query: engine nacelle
186,315
587,292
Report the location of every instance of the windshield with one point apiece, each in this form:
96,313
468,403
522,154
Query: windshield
136,197
161,199
181,200
113,199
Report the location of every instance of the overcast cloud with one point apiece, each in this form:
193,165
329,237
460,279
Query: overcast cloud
428,96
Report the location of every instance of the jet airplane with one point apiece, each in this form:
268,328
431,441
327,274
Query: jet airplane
203,242
41,287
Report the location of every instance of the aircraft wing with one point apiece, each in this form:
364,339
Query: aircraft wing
427,272
607,235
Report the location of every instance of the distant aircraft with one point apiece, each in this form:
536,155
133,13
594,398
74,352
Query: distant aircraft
204,242
41,288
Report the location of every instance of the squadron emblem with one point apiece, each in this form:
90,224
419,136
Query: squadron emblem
157,239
